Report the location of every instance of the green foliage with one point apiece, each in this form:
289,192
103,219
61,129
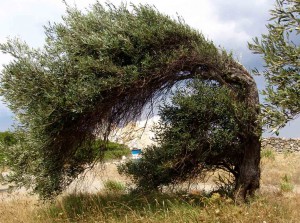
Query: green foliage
280,50
22,159
202,129
7,139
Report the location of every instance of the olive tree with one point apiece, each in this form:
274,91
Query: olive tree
280,49
97,70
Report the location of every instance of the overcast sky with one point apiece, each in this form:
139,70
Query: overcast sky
230,24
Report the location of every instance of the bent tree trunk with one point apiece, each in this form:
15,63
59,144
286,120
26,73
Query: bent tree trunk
248,177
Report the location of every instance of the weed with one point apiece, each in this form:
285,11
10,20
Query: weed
268,153
286,185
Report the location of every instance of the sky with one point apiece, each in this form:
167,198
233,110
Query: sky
229,24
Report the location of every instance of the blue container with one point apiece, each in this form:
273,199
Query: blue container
136,153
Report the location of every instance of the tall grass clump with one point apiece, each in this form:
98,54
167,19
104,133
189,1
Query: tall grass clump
286,184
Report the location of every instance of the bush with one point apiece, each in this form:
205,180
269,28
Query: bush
202,129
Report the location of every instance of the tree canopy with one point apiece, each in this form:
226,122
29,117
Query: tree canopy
96,71
280,49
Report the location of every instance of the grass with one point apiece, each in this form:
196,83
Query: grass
113,151
268,153
286,185
273,170
114,186
165,208
18,209
114,205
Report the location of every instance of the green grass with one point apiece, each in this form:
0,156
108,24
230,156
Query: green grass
112,150
116,151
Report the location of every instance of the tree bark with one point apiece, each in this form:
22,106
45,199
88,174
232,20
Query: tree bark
248,178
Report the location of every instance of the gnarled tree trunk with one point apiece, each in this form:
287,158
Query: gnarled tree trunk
248,178
249,171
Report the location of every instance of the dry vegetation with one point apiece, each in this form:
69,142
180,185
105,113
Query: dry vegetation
276,202
276,167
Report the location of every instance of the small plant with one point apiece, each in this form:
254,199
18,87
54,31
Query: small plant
114,186
268,154
286,185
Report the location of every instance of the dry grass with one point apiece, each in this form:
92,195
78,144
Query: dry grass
275,169
157,208
18,209
271,204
